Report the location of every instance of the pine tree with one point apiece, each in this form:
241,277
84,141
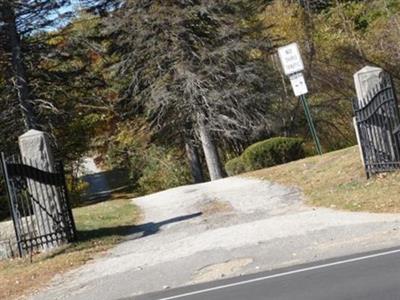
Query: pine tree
192,66
20,20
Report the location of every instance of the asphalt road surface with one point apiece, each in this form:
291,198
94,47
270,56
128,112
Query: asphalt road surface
372,276
218,230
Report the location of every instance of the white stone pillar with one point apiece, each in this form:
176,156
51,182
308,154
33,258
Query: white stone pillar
36,151
360,149
366,81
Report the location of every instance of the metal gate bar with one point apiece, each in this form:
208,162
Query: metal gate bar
378,124
39,203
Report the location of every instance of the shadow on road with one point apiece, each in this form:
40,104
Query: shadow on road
135,232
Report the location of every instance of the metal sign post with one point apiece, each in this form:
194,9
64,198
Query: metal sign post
310,122
293,66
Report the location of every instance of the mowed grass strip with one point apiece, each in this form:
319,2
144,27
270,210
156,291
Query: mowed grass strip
100,226
337,180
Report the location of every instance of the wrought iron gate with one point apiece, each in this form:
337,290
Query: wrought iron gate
378,124
39,205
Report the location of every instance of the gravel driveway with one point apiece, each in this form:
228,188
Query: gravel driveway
225,228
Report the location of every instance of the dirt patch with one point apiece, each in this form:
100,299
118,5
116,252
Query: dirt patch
214,207
221,270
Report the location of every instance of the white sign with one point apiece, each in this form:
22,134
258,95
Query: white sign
291,59
298,84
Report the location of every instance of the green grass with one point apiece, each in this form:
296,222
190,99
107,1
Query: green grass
338,180
100,226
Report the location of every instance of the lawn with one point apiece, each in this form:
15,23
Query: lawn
337,180
100,226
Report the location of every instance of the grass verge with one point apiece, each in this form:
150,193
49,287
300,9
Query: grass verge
337,180
100,226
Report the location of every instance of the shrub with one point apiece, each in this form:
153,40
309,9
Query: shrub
151,167
127,156
126,149
266,154
76,188
272,152
163,170
235,166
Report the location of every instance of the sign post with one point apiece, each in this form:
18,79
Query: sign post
293,66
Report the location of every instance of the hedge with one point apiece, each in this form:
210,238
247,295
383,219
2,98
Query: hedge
235,166
268,153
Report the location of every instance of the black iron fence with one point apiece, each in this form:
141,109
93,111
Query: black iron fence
378,125
39,205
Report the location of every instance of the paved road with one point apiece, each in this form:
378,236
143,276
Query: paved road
218,230
371,276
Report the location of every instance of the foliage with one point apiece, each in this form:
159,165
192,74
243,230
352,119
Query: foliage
151,167
335,42
127,147
268,153
329,80
21,24
58,76
76,187
185,62
123,75
163,170
127,156
273,152
235,166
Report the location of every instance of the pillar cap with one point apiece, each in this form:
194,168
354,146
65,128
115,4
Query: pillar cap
31,133
368,69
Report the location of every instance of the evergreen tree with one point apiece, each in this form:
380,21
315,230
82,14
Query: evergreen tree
20,20
191,67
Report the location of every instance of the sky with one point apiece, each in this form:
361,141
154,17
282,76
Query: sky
70,8
66,9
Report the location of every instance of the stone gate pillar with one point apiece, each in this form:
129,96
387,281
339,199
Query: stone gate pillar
36,151
367,81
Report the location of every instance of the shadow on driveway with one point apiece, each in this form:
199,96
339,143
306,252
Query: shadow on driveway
132,233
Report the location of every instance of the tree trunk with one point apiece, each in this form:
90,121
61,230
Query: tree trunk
194,161
21,80
210,152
